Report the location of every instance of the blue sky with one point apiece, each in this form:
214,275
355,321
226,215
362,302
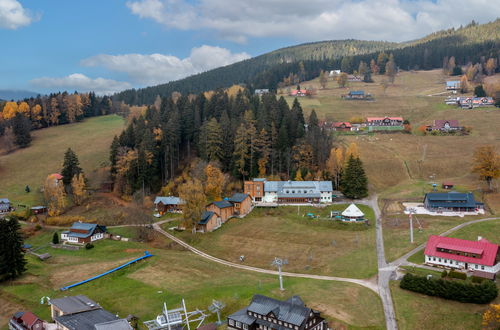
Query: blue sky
110,45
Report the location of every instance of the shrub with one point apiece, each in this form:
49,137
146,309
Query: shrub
444,273
476,279
459,275
89,246
465,292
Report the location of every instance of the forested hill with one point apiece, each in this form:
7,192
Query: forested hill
466,44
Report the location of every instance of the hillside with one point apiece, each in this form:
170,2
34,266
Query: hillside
90,140
265,71
7,94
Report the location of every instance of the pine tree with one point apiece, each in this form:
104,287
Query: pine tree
113,155
354,183
55,238
213,140
241,150
71,166
12,262
21,127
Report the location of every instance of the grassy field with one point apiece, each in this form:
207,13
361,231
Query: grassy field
418,311
318,246
90,140
173,274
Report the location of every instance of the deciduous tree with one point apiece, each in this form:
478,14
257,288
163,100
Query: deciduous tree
342,79
214,183
486,164
55,196
195,200
323,80
78,188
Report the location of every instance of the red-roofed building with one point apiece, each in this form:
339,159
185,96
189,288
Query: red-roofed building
26,320
301,92
480,255
342,126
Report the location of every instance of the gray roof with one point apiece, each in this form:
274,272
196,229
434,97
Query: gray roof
86,320
316,186
451,199
4,200
238,197
222,204
74,304
89,227
120,324
205,217
170,200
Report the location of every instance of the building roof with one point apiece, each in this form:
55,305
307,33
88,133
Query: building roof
238,198
4,200
170,200
296,195
74,304
451,199
296,91
353,211
88,227
222,204
357,93
56,176
291,311
453,83
29,318
205,217
441,122
315,186
487,251
86,320
382,118
342,123
120,324
259,179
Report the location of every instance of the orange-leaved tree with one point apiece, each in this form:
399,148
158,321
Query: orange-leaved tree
486,164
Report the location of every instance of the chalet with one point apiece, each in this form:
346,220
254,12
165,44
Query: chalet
81,233
342,126
209,222
168,204
4,205
357,95
242,203
479,256
26,321
224,209
384,123
453,85
81,313
445,126
289,192
475,102
261,91
451,202
271,314
447,185
353,213
299,92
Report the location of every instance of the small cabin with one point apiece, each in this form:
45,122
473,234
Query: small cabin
168,204
447,185
242,203
209,221
224,209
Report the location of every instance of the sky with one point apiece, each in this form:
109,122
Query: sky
111,45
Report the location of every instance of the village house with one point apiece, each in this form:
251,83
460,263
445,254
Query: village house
209,221
357,95
4,205
445,126
451,202
268,314
224,209
481,257
384,123
300,92
342,126
82,233
81,313
289,192
447,185
261,92
26,321
453,85
242,203
334,73
168,204
475,102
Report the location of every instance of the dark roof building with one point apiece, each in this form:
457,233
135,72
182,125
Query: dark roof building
72,305
451,201
445,125
222,204
205,217
268,313
92,320
238,198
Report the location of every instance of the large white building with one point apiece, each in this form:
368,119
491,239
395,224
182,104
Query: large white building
481,257
289,192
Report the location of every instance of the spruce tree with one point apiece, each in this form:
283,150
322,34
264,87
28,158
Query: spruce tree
113,156
71,166
354,182
21,127
55,238
12,262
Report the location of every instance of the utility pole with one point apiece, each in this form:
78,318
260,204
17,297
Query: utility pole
411,227
278,262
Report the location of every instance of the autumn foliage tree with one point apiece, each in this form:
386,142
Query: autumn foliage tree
486,164
323,80
342,79
214,183
491,318
55,195
78,188
195,200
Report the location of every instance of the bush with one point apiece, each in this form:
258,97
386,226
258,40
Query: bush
89,246
444,273
476,279
465,292
458,275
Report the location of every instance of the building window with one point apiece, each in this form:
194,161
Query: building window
238,324
245,326
231,322
482,267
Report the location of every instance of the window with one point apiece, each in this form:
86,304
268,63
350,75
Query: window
245,326
476,266
482,267
231,322
238,324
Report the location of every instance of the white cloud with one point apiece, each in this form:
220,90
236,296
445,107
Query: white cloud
81,83
13,15
159,68
395,20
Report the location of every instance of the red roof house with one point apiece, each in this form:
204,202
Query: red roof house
480,255
342,126
26,320
301,92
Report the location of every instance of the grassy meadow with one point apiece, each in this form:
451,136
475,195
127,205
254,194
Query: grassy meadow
316,246
90,140
173,274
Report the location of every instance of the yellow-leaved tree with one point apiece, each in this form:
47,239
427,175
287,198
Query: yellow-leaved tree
55,196
191,192
491,317
215,182
335,164
352,150
78,188
9,110
486,164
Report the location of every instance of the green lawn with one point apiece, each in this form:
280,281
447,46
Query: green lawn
90,140
318,246
173,274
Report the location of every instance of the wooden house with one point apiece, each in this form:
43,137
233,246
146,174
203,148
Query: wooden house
82,233
384,123
168,204
209,222
242,203
266,313
255,189
299,92
224,209
26,321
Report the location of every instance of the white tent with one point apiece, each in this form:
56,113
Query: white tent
353,212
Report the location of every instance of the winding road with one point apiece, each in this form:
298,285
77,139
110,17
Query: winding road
386,271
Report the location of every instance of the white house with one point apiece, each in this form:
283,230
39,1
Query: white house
289,192
481,257
81,233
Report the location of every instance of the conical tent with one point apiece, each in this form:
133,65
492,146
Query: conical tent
353,212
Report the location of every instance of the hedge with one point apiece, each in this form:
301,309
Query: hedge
459,275
466,292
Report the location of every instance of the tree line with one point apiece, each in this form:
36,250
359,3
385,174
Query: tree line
245,135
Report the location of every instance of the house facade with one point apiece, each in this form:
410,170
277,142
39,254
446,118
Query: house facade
445,125
451,202
242,203
223,209
475,102
261,91
478,256
266,313
82,233
289,192
168,204
26,321
299,92
384,121
209,221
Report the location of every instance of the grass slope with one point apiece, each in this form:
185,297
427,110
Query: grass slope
173,274
90,140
